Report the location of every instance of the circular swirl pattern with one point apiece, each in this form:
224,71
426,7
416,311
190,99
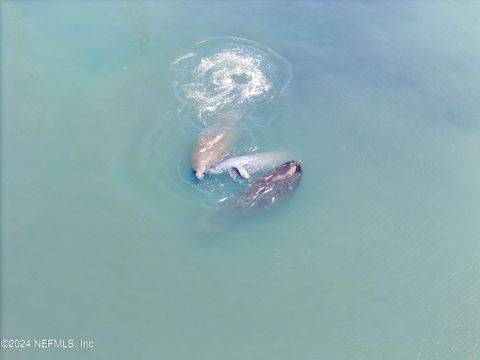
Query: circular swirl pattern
223,75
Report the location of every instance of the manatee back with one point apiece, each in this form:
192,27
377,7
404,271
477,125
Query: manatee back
271,188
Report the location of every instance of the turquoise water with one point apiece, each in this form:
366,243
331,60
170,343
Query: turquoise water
107,237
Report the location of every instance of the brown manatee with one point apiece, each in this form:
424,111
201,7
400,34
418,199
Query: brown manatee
274,186
214,144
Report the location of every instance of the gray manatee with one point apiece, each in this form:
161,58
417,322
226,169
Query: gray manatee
246,165
274,186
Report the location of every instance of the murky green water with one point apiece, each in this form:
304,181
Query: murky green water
107,237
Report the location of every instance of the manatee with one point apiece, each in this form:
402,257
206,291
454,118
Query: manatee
214,143
274,186
246,165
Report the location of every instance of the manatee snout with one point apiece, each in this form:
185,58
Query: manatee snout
201,163
199,173
292,168
297,165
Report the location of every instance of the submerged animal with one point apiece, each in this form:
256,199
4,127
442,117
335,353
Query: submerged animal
213,145
272,187
246,165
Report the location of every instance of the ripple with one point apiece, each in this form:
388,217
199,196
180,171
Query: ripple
163,154
226,75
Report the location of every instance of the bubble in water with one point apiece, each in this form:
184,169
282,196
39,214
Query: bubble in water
224,75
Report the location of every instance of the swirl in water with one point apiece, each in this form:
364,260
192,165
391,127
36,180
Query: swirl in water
219,81
224,75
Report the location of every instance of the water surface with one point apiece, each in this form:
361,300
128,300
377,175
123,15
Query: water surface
106,236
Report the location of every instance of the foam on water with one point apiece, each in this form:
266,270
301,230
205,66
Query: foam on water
225,75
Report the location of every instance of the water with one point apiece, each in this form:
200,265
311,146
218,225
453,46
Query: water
106,236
